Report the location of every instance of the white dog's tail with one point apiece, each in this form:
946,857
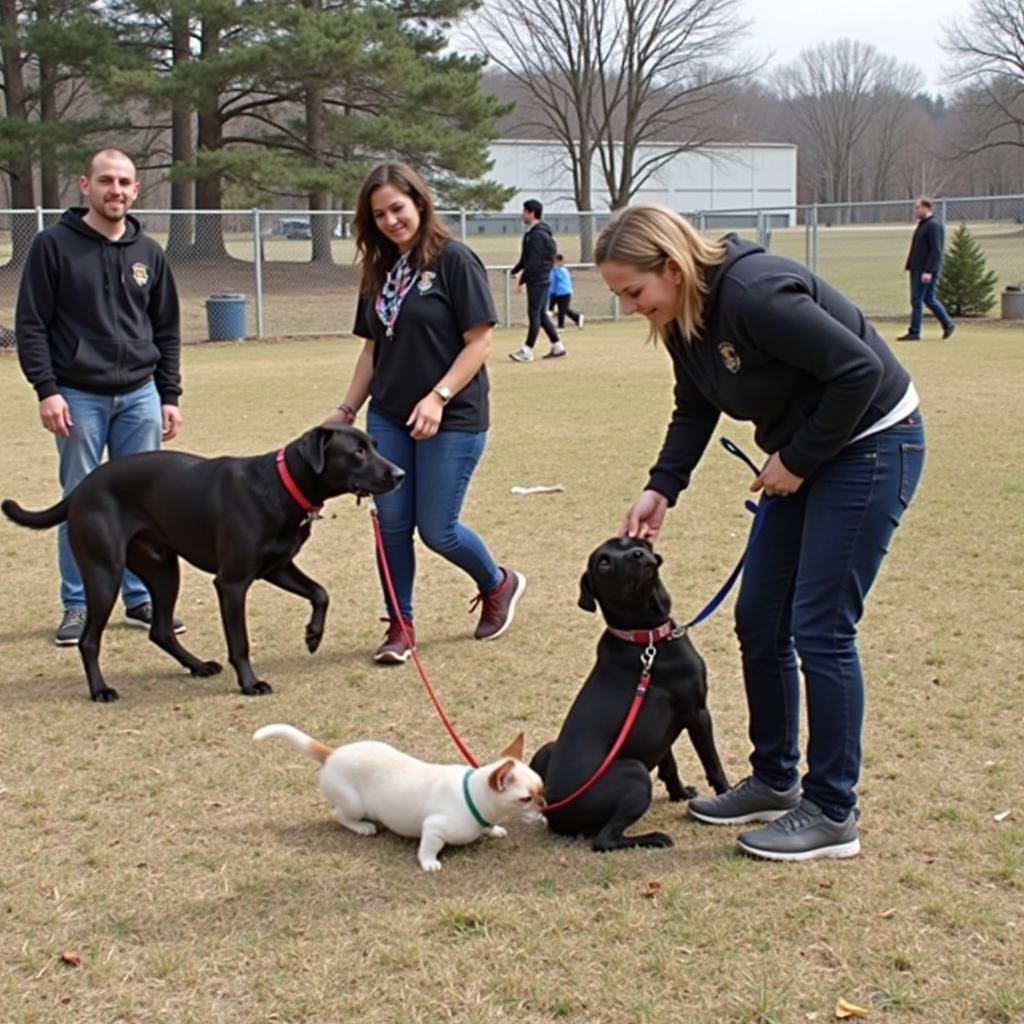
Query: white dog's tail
297,738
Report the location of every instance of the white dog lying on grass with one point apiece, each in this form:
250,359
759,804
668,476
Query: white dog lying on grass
370,784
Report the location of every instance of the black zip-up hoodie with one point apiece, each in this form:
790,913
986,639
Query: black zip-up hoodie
782,348
96,314
537,256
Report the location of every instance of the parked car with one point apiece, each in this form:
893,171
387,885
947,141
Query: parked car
294,228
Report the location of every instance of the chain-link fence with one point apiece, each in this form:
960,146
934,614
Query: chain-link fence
267,273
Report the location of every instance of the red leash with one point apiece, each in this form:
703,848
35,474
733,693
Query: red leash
646,660
382,558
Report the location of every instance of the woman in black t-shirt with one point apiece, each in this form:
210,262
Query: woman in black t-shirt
426,316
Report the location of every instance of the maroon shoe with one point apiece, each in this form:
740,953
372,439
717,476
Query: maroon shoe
395,650
498,606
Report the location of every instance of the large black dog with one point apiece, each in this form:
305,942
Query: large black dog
242,519
622,578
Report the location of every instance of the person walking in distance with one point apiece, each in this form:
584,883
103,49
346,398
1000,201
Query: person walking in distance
99,339
561,295
924,262
426,317
536,258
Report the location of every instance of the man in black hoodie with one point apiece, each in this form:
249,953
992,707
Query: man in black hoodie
98,333
536,259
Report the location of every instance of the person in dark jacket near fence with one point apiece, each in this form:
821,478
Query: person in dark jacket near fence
536,258
98,333
924,262
761,338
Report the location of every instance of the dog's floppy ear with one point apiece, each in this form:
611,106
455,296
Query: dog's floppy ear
587,600
515,748
498,778
312,446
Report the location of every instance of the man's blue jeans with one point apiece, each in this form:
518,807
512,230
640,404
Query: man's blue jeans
804,584
123,424
437,474
922,295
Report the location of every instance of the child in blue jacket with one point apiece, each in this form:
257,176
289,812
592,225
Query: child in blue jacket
561,293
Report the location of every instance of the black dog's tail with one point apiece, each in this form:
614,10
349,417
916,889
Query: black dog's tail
36,520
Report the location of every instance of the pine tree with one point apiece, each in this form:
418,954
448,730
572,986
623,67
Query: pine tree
966,287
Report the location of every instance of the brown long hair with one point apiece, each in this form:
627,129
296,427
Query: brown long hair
376,252
647,235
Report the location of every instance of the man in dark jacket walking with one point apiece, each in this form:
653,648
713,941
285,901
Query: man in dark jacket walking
536,259
99,339
924,263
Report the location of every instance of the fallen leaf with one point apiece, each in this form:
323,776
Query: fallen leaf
891,912
651,889
71,959
1001,816
845,1010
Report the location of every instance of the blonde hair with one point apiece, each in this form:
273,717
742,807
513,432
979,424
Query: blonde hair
646,236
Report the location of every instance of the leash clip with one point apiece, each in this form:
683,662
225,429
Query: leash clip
311,517
647,658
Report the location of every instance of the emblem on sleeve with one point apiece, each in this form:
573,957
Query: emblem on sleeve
140,274
730,357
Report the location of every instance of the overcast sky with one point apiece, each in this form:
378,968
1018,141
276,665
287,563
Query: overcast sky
908,31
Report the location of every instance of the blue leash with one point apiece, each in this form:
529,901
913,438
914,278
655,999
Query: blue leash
758,511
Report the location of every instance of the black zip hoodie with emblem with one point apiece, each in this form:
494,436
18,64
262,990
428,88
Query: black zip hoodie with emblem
96,314
782,348
537,254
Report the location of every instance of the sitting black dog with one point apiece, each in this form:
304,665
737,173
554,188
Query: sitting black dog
622,578
242,519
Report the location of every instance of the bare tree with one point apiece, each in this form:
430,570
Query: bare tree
840,93
988,59
607,76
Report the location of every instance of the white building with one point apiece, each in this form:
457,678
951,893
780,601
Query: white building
720,177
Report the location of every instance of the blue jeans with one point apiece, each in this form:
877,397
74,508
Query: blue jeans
123,424
922,295
437,473
804,585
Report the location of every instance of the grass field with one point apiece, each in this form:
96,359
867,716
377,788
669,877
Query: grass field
865,263
157,866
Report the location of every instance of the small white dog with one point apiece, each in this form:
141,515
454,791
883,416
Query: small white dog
370,784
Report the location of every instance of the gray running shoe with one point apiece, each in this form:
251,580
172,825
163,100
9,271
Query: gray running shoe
749,800
142,615
69,632
804,834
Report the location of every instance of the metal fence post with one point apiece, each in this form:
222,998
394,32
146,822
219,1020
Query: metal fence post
812,262
462,225
40,220
507,312
257,262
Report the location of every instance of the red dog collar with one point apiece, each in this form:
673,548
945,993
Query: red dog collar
645,636
293,488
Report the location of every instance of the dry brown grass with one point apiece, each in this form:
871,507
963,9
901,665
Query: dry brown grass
201,880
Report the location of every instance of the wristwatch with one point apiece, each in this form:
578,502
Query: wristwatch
445,394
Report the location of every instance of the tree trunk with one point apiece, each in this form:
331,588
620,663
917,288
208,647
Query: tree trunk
209,245
182,227
19,166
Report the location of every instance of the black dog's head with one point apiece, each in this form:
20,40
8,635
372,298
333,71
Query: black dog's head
345,460
622,577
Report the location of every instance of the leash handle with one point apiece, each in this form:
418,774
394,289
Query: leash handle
740,454
393,597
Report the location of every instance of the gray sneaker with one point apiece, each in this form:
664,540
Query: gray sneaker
803,834
142,615
69,632
749,800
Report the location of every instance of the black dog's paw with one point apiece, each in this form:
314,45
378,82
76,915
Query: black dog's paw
258,689
679,793
655,840
207,668
106,696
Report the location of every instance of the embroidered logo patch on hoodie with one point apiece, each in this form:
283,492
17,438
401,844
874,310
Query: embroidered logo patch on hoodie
140,274
730,357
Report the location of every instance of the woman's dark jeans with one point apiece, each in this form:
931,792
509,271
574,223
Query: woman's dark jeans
804,584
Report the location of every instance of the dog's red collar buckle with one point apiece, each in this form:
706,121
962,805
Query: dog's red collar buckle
648,636
288,481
